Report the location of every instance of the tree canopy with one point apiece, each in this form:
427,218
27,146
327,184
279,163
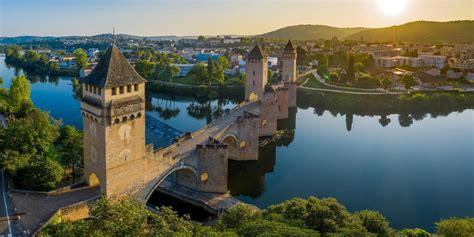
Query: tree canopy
80,58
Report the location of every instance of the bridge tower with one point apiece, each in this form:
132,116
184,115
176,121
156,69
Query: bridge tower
113,111
289,72
288,63
256,73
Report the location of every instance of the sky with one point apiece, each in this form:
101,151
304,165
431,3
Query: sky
213,17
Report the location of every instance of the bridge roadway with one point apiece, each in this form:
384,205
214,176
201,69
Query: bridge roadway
214,129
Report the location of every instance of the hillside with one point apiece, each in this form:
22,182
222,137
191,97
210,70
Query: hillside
310,32
420,32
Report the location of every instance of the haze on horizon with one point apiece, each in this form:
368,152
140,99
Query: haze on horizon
212,17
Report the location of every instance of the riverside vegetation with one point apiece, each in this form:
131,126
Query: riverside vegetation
295,217
35,62
36,152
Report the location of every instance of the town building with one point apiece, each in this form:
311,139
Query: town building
454,73
423,60
184,69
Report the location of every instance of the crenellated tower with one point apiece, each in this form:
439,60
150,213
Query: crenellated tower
113,110
256,74
288,63
289,72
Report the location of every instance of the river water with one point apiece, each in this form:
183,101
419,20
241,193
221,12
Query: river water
413,175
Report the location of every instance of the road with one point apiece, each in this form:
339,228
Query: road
213,129
344,90
9,225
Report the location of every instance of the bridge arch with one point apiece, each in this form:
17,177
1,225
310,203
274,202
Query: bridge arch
232,143
182,169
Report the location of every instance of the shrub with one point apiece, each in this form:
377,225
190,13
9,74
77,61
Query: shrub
456,227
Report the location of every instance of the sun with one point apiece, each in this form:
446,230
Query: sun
392,7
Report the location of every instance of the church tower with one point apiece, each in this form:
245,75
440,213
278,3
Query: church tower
256,74
113,110
288,63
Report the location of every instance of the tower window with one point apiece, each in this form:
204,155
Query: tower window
122,90
99,91
136,87
87,87
95,90
253,73
114,90
129,88
253,83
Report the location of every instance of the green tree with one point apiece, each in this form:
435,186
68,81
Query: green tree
1,81
144,68
302,58
374,222
270,75
455,227
198,73
171,71
350,69
386,82
19,91
414,233
323,71
26,138
70,141
220,65
210,70
127,217
54,68
408,81
201,38
359,67
80,58
237,216
327,215
263,228
43,174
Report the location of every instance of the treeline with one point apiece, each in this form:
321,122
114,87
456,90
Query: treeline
295,217
154,65
31,61
39,63
427,102
35,151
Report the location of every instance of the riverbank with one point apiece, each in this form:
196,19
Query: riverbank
387,103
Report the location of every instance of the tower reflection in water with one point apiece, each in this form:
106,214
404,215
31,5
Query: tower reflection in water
247,178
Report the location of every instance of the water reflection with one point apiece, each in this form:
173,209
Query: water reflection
205,110
247,178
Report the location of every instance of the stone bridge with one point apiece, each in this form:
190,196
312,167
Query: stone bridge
117,159
198,160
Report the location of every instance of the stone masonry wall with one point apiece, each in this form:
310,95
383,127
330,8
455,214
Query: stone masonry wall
212,168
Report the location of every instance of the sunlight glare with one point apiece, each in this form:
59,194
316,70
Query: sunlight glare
392,7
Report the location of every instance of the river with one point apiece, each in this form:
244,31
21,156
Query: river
414,175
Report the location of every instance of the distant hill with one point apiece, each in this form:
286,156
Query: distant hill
310,32
420,32
22,39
